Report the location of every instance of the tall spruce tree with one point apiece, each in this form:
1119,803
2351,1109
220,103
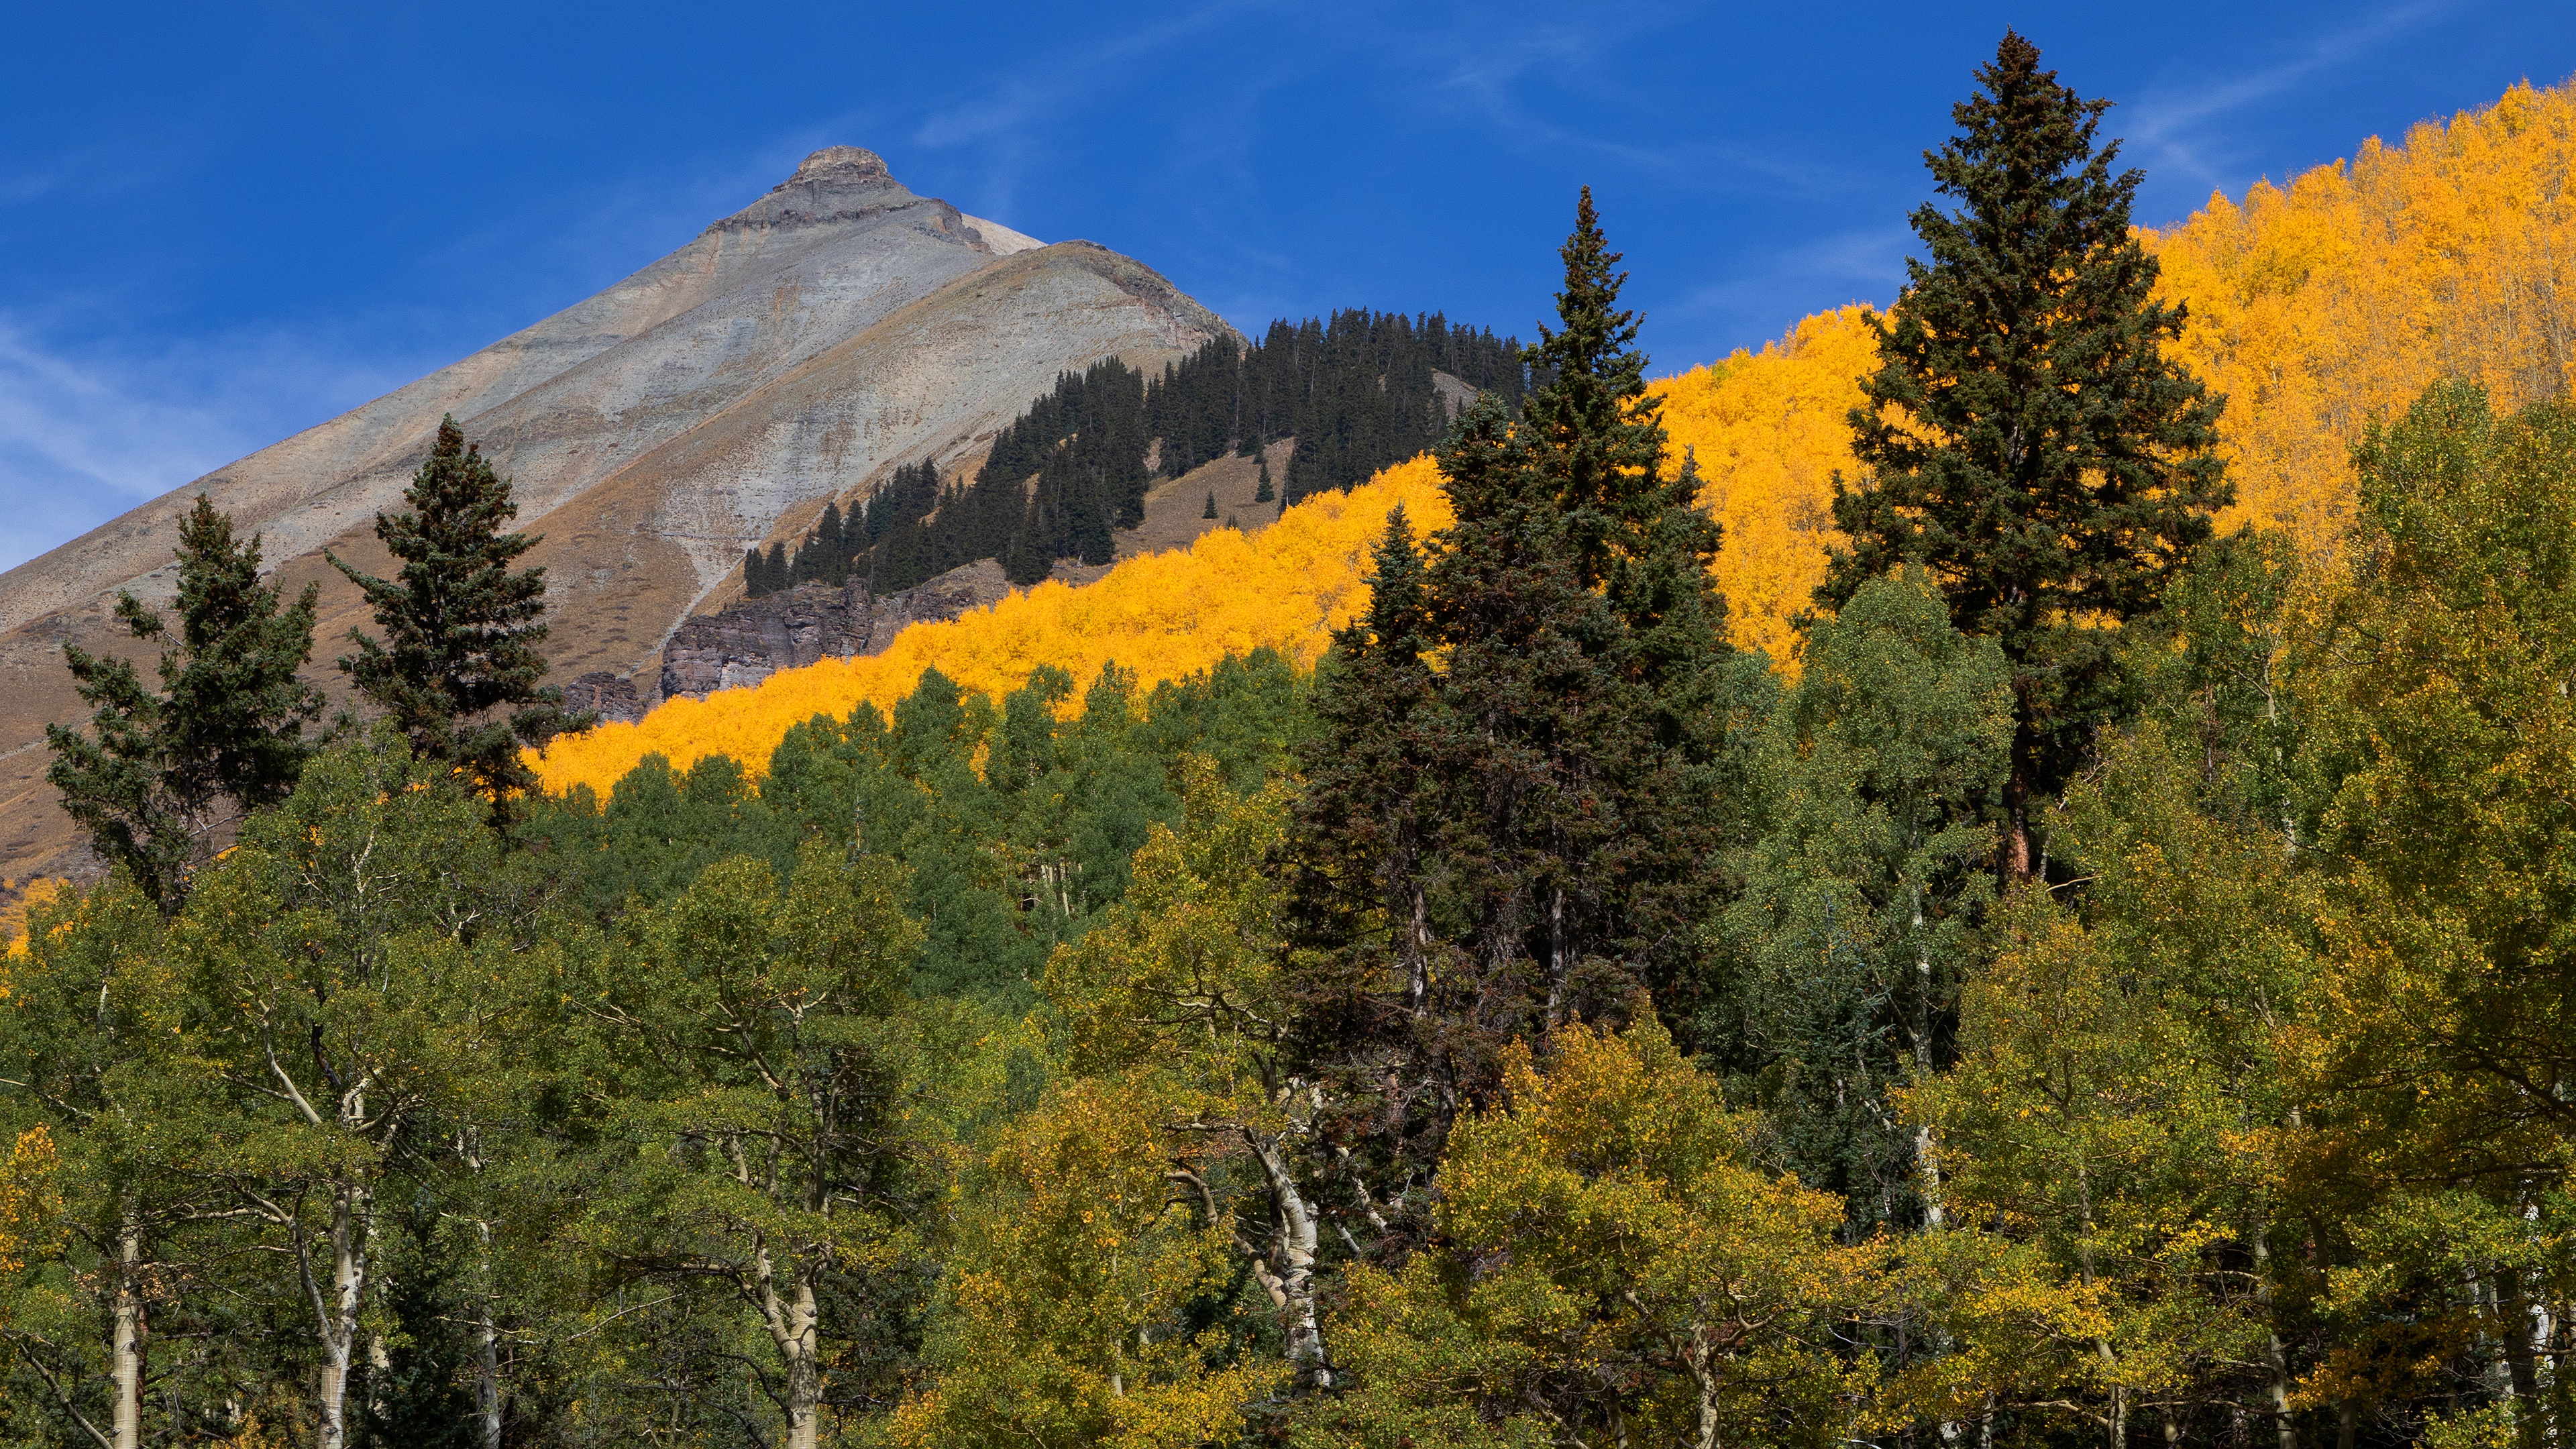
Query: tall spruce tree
1542,823
2025,438
1359,868
162,777
458,669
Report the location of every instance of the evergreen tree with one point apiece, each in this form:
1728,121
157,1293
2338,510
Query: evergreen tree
1265,493
1543,835
416,1398
162,777
2026,438
461,630
1210,511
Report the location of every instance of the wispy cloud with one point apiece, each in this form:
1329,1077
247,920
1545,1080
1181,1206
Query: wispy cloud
1509,86
2172,127
1067,80
83,439
1862,265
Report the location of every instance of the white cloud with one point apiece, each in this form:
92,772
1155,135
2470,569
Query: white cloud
85,437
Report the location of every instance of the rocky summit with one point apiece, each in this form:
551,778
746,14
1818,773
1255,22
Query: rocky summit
794,353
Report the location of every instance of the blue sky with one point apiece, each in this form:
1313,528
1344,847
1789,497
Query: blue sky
220,224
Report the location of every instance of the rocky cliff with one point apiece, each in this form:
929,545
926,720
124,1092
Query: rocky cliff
755,639
795,351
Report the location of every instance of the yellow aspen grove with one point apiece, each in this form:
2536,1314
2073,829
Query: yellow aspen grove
1164,616
2338,297
1769,431
2314,306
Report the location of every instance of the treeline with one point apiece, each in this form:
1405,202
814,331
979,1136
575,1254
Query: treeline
1357,392
2119,990
1003,861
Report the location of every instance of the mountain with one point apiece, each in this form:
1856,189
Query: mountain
796,351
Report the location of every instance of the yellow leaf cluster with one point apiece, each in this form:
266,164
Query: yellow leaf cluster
1070,1288
13,916
27,1201
1164,616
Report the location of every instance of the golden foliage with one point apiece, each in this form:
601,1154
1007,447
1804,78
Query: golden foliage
1164,616
2313,306
1768,430
31,895
27,1200
2344,294
1610,1253
1070,1290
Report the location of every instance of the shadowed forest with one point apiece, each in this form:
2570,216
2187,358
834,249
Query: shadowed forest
1996,872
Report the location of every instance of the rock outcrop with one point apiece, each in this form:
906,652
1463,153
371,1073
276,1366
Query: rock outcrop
750,641
796,351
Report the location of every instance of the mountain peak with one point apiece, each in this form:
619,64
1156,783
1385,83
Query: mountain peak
837,183
843,164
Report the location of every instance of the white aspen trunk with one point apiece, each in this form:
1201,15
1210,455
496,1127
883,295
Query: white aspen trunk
794,1321
352,1224
1704,1375
1293,1271
805,1376
1417,965
129,1335
1557,965
1927,1158
2276,1364
487,1346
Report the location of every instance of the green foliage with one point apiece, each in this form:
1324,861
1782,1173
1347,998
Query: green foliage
2103,1133
1861,900
1005,860
2436,694
162,778
462,632
1075,1297
1609,1263
755,1149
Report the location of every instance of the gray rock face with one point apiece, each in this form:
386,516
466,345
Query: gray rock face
607,698
795,352
752,640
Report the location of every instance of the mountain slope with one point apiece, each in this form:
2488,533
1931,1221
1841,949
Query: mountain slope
795,350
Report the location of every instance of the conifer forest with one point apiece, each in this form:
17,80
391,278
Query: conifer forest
1999,872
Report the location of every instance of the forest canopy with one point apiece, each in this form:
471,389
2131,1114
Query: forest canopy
1731,910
